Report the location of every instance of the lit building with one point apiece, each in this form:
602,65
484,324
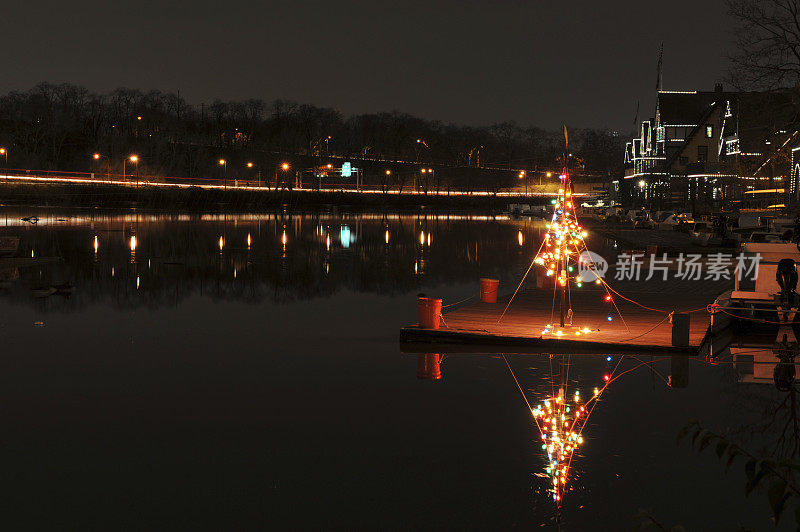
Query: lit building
714,150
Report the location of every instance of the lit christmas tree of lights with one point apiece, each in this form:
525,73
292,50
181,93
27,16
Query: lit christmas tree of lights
560,254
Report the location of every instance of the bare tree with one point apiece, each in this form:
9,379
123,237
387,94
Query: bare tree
767,40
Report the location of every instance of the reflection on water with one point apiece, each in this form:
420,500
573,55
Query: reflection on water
280,257
248,366
552,388
429,366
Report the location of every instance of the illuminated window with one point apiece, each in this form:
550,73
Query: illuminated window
709,131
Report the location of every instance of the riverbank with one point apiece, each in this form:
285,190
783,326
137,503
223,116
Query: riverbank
195,198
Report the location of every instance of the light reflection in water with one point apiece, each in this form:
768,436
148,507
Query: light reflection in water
171,253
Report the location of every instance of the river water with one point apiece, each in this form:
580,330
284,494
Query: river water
224,370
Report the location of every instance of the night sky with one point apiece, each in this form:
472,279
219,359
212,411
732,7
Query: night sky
582,62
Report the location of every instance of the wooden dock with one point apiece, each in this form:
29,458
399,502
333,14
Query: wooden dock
474,327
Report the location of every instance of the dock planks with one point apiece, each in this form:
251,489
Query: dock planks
474,327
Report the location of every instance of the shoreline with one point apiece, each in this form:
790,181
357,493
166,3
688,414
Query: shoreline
113,196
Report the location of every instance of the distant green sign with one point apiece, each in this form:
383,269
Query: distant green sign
346,170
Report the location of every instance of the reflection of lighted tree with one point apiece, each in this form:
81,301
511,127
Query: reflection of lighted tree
561,418
560,424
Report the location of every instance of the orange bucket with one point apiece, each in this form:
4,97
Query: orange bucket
429,312
489,290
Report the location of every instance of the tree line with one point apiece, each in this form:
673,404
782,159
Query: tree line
60,126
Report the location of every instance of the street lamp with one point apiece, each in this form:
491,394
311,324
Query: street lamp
249,165
386,181
4,153
224,164
135,160
285,167
522,175
97,157
421,142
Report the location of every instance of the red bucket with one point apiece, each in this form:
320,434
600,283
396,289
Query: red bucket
489,290
429,312
428,367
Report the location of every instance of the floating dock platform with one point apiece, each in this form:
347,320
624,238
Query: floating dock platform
474,327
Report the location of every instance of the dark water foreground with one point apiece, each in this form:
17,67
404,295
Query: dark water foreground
178,378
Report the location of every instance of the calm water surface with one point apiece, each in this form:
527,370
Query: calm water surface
243,371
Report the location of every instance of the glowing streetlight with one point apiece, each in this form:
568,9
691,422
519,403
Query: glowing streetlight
641,184
421,142
249,165
224,164
135,160
284,166
4,153
97,157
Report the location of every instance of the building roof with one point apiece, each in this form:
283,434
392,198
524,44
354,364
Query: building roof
687,108
764,116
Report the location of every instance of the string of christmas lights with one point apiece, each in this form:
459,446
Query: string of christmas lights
560,254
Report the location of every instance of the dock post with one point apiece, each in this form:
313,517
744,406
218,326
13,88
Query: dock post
680,329
679,371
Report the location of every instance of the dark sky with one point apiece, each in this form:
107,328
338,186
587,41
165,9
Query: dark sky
583,62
